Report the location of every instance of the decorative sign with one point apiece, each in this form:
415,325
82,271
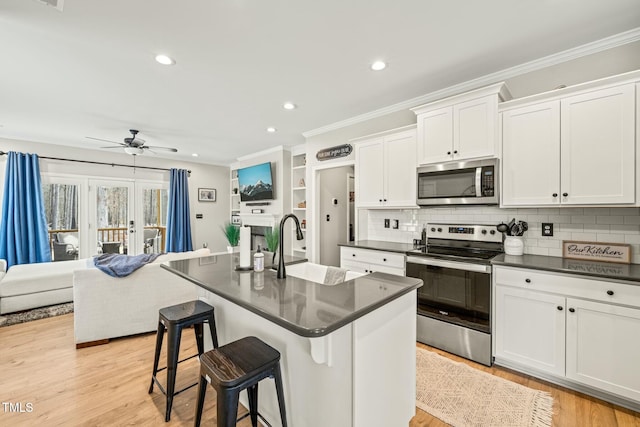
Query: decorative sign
334,152
597,251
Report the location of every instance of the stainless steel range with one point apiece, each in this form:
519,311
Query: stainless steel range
454,304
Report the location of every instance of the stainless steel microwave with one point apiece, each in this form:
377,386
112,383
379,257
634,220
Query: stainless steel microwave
473,182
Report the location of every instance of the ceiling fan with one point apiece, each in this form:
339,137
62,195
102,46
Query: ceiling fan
133,145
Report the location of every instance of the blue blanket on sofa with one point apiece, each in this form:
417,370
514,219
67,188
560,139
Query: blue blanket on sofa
117,265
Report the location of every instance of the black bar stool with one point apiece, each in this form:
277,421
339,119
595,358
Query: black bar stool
174,319
234,367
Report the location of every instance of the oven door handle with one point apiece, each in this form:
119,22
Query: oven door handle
479,268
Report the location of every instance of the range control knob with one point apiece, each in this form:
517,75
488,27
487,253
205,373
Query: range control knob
484,231
433,229
439,229
492,232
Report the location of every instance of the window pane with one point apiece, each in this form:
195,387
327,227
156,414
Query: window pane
155,203
112,205
61,210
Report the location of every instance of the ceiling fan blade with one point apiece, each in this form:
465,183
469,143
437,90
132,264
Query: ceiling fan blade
173,150
119,147
104,140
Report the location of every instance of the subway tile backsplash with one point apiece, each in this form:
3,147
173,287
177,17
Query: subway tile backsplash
615,225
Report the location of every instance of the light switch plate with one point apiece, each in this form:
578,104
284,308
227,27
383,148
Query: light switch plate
386,223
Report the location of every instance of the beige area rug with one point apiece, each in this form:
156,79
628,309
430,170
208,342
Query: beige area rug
463,396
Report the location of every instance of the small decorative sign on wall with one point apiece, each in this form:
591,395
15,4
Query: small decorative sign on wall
597,251
334,152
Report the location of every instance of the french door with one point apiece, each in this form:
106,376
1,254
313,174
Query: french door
127,217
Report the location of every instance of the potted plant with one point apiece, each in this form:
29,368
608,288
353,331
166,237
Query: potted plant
232,233
271,235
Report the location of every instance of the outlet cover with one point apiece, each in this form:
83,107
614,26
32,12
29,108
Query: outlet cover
396,224
547,229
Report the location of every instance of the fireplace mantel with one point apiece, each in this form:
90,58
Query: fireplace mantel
263,220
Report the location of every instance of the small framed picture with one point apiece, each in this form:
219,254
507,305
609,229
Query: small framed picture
206,194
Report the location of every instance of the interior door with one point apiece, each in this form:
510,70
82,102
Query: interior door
112,218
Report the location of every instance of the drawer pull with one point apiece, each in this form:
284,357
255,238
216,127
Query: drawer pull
609,292
572,310
353,254
384,259
560,308
527,280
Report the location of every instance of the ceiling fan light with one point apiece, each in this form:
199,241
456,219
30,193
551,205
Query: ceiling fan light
134,151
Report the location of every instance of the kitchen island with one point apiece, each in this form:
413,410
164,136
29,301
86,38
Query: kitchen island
348,350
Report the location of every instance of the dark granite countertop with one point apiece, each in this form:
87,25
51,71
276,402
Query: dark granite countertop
379,245
305,308
604,270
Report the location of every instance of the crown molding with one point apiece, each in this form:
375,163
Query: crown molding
537,64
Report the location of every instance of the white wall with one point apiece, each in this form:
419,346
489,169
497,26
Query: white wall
333,183
206,230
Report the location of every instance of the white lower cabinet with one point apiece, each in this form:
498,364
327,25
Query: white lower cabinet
371,261
578,331
603,349
530,328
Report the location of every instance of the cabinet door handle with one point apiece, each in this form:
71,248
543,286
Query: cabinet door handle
572,310
384,200
385,260
455,151
527,280
555,194
380,200
565,194
609,292
353,254
448,153
560,308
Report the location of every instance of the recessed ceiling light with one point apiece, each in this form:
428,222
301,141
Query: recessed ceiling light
378,65
289,106
271,129
195,154
165,60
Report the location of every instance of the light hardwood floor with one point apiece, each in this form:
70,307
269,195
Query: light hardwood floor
107,385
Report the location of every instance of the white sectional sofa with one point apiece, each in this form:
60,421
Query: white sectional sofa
108,307
28,286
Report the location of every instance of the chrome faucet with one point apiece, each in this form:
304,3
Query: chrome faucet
299,236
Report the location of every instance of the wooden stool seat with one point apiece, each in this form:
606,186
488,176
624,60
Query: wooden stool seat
234,367
174,319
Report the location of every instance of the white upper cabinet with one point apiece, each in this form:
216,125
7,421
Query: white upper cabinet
598,147
369,179
435,130
385,173
531,155
461,127
572,150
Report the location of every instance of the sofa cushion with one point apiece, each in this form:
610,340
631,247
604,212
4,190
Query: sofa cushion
30,278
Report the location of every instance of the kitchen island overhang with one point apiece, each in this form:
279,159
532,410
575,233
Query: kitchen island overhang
348,350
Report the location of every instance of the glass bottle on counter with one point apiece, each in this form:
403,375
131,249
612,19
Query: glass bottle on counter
258,260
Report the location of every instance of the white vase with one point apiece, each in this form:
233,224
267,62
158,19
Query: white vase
233,249
514,245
